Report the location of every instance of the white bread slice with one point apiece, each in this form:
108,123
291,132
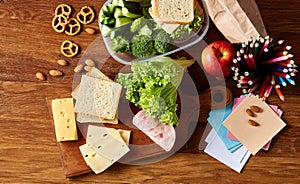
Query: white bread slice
174,11
168,27
75,92
106,98
98,97
86,118
94,72
84,98
91,118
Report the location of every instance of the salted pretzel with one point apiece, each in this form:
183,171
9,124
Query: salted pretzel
73,27
63,9
69,49
59,23
86,15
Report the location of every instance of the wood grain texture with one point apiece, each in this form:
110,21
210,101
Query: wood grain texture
28,150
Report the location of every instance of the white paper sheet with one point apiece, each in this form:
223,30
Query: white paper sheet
218,150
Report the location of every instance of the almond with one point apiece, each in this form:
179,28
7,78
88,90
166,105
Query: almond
62,62
87,68
253,123
255,108
78,68
55,73
250,113
90,30
90,62
40,76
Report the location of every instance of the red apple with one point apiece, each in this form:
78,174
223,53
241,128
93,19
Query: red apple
217,58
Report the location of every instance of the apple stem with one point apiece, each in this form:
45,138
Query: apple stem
220,54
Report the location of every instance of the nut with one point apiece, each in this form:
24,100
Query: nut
78,68
87,68
40,76
90,62
62,62
90,30
250,113
253,123
255,108
55,73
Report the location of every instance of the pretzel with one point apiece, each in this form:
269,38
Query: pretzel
63,9
73,27
59,23
86,15
69,49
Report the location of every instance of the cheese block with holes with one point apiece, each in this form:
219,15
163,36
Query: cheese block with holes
64,119
105,144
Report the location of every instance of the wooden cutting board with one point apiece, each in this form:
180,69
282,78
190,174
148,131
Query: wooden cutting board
192,120
74,164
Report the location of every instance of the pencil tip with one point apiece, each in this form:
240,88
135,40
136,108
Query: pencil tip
280,42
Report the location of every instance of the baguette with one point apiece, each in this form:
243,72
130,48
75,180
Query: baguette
174,11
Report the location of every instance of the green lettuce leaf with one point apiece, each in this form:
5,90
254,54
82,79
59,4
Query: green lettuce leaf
153,87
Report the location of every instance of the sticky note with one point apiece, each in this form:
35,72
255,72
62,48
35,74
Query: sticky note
64,119
253,137
216,117
236,102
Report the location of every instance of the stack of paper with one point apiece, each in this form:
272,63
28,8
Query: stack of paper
222,144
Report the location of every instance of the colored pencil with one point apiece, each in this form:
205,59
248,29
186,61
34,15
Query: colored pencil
262,65
279,93
278,59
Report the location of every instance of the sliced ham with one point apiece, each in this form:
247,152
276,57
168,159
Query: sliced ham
143,122
162,134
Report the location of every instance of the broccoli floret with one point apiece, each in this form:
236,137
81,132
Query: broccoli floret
142,46
120,44
137,24
145,30
162,41
140,22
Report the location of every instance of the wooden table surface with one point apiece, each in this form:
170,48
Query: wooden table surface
28,149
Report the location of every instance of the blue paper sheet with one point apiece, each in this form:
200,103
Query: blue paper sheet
215,119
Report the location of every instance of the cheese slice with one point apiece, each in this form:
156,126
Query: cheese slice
64,119
107,143
125,134
95,161
121,135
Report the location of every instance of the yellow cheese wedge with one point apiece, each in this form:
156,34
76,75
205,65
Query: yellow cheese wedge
64,119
